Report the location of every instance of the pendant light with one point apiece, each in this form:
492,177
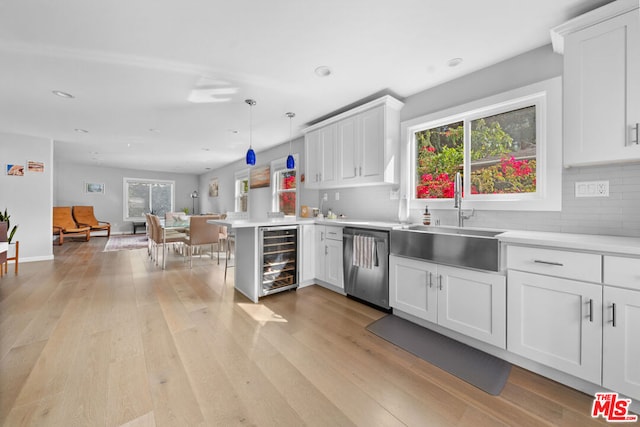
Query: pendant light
251,155
291,163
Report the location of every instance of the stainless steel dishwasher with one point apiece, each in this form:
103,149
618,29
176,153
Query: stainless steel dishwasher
370,285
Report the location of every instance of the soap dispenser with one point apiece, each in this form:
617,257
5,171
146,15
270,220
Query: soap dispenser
426,217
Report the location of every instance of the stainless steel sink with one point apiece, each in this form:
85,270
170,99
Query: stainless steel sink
456,230
462,247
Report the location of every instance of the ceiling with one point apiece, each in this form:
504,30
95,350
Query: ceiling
135,68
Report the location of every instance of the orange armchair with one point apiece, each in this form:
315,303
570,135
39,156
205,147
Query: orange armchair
84,216
64,224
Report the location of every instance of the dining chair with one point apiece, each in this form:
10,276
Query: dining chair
202,233
162,238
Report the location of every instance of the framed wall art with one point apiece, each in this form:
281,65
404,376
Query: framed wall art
15,170
94,187
260,176
213,187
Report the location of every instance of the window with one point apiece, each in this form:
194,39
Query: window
144,195
285,188
242,191
507,149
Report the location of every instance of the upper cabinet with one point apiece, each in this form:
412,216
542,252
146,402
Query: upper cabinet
601,84
358,147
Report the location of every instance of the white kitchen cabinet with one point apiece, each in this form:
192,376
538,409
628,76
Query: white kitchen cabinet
411,287
321,157
467,301
621,343
328,265
361,141
601,84
308,255
621,323
367,146
556,322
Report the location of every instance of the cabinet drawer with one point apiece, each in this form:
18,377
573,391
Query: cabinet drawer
622,271
571,265
333,233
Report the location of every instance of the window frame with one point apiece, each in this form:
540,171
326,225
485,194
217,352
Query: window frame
240,175
280,165
125,195
547,98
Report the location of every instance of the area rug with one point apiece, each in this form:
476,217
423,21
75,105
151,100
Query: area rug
123,243
476,367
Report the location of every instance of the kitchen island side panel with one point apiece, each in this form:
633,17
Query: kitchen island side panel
246,262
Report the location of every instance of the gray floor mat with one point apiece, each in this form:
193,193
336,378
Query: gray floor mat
476,367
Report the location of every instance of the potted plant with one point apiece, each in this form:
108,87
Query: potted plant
4,217
12,253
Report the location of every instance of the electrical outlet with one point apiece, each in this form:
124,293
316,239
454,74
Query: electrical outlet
325,197
337,196
592,189
394,195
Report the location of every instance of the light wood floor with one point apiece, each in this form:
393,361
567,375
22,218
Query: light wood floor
108,339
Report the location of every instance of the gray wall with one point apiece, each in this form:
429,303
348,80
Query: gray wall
259,198
615,215
69,182
28,198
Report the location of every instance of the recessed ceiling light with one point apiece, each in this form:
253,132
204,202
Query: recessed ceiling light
323,71
81,130
206,149
454,62
154,130
62,94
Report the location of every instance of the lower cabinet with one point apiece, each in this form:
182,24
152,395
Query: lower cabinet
556,322
328,255
470,302
621,337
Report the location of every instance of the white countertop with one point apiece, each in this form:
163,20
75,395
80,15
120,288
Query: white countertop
587,242
246,223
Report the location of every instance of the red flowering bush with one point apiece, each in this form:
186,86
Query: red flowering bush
287,200
430,187
510,176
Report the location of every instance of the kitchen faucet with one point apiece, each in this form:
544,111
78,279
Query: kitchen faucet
457,200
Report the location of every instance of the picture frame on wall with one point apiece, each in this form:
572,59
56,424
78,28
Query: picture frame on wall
94,187
260,176
15,170
34,166
213,187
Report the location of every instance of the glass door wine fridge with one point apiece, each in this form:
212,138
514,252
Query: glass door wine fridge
278,258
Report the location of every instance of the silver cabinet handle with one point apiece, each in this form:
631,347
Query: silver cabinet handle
429,280
539,261
613,310
440,281
320,176
322,236
636,141
590,310
355,171
326,250
360,170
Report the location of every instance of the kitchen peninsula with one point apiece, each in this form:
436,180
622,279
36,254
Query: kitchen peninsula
274,255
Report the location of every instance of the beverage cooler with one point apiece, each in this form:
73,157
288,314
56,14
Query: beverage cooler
278,259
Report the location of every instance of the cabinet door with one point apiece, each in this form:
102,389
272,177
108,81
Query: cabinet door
556,322
371,145
412,287
602,87
328,156
308,255
321,250
312,159
621,349
347,152
473,303
333,268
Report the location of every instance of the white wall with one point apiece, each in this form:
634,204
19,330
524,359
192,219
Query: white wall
28,198
259,198
69,179
615,215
